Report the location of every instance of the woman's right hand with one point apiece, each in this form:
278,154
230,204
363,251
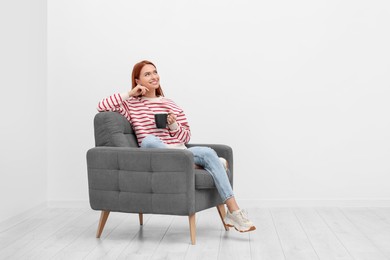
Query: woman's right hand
139,90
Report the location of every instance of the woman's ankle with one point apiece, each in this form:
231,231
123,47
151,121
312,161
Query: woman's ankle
232,204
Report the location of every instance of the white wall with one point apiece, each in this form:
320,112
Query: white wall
299,89
23,101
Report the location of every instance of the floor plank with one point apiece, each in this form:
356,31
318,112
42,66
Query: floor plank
208,235
82,245
63,237
16,220
382,213
176,240
358,245
323,240
373,227
264,241
293,238
148,238
234,245
16,232
32,239
112,245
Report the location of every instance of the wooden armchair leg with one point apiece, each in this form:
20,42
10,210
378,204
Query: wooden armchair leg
222,213
141,218
191,218
102,222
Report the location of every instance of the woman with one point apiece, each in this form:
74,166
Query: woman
139,105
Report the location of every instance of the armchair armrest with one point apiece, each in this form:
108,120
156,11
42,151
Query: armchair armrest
158,181
142,159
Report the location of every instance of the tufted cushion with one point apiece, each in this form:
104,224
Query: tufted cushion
113,129
204,180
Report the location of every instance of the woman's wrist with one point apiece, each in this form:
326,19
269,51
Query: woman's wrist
125,96
173,126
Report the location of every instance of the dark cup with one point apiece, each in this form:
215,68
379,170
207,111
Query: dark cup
161,120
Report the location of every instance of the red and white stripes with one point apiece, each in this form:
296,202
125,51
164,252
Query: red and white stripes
140,113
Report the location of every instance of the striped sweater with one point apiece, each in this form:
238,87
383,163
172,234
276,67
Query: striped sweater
139,111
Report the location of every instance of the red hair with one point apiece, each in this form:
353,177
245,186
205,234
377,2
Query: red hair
137,71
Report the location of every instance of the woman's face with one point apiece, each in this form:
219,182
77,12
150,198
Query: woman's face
149,77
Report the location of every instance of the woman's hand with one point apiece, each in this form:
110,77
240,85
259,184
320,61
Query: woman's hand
139,90
171,118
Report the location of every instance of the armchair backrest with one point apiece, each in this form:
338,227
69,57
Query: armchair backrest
113,129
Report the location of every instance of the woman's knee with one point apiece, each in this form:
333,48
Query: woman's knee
204,154
210,152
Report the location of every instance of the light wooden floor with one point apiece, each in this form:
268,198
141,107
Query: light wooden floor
282,233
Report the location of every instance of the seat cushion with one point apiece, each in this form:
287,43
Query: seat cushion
204,180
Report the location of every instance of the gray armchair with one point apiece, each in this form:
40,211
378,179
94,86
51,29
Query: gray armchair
125,178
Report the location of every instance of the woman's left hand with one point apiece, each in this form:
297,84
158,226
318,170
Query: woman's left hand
171,118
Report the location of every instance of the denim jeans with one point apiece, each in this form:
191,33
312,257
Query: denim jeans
205,157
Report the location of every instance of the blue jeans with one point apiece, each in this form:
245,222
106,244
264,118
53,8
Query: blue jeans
205,157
